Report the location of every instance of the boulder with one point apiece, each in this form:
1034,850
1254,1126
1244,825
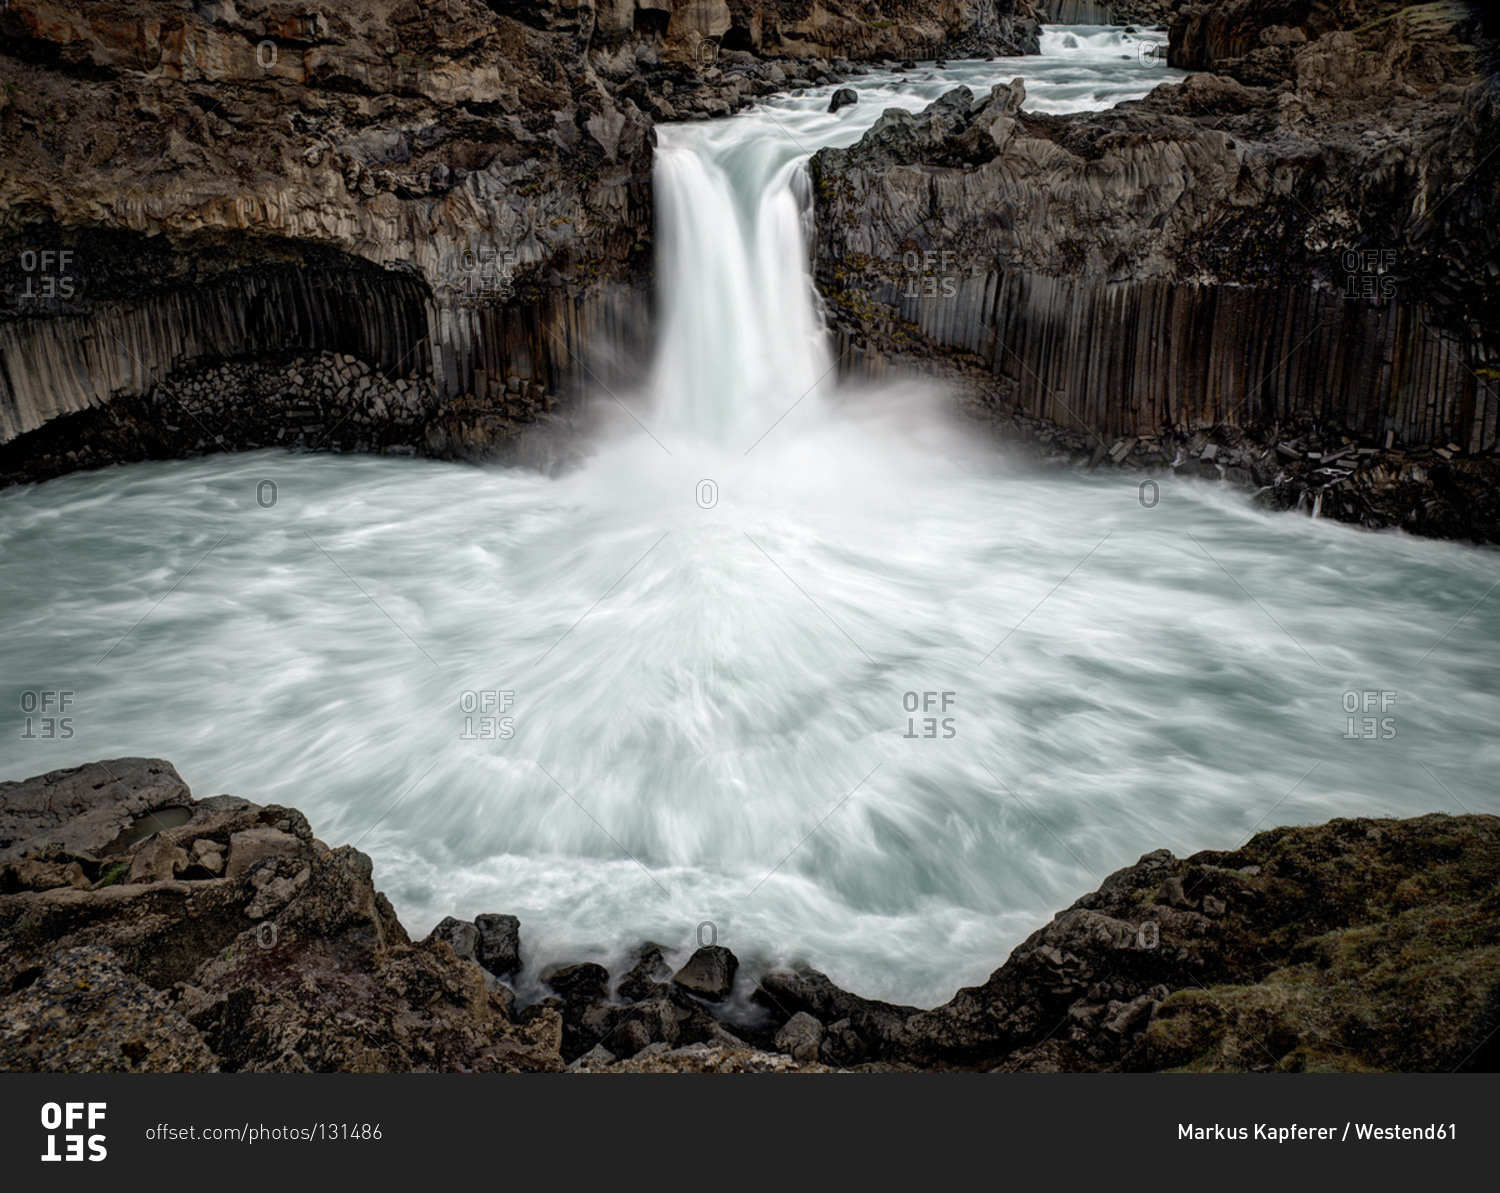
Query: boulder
709,973
461,936
84,810
158,859
842,98
800,1037
499,948
585,982
647,977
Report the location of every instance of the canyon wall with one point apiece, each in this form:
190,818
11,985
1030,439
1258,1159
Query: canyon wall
439,191
1300,242
456,194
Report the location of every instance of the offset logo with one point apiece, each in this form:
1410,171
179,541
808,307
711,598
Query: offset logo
48,274
928,702
51,724
66,1116
493,725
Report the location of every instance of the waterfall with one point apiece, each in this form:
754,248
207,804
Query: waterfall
1078,12
742,340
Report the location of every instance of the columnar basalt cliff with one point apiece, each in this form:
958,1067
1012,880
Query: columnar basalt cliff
1260,272
447,194
453,193
142,930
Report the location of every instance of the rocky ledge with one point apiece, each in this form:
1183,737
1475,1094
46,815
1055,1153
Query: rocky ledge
144,930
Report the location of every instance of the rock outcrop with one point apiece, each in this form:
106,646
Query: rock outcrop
143,930
1299,245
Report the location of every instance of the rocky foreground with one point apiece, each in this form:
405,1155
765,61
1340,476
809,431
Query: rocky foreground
144,930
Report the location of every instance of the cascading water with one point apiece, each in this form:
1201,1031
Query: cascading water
690,682
740,338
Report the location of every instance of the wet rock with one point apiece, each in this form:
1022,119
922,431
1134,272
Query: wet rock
648,977
499,944
842,1046
585,982
460,935
709,973
842,98
654,1022
630,1037
785,993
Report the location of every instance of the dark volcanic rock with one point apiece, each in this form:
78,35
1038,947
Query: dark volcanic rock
583,983
1297,951
806,991
709,973
842,98
648,977
499,948
460,935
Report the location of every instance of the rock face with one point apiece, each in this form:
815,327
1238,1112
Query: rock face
448,195
1297,951
709,973
1299,244
499,946
207,210
857,29
842,98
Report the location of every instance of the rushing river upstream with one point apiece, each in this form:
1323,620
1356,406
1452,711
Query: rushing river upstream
687,683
